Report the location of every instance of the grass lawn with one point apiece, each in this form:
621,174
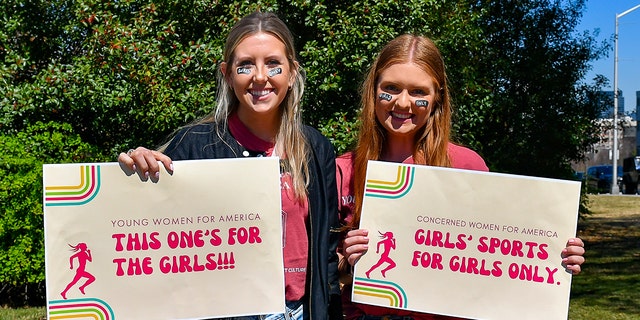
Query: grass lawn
608,287
23,313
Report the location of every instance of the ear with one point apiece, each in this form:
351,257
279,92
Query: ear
294,73
225,76
223,69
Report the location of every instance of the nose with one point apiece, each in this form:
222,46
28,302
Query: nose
260,74
403,99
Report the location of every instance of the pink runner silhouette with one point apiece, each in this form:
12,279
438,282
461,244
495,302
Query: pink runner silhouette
388,243
83,254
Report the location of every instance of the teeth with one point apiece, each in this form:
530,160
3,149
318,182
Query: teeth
260,93
401,115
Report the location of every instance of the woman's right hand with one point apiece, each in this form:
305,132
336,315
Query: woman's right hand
355,244
145,162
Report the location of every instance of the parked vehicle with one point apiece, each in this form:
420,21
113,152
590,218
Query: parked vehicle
599,179
631,170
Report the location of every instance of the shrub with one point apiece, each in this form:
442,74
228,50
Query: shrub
21,223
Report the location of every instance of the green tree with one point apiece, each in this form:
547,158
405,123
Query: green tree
22,156
127,73
111,75
340,39
540,116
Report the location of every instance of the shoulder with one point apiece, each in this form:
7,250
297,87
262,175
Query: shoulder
345,160
197,131
344,166
195,142
313,135
465,158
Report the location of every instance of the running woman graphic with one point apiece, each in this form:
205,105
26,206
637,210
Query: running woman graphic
83,254
389,243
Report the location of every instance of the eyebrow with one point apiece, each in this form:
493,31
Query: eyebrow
271,56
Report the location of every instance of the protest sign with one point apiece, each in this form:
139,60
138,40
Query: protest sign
199,243
466,243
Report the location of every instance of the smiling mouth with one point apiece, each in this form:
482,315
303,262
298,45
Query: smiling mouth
401,115
259,93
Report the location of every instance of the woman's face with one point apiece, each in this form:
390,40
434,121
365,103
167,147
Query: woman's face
405,95
260,74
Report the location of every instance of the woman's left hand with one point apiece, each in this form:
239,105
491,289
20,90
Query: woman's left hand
573,255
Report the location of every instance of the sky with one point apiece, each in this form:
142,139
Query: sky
601,14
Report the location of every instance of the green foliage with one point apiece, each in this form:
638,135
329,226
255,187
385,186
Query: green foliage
540,117
127,73
21,223
340,39
342,132
111,75
133,75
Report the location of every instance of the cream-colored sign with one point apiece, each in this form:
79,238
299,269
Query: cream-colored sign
204,242
466,243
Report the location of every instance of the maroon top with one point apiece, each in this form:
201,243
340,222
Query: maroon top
461,158
295,216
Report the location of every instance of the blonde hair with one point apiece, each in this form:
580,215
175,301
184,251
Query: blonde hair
290,140
430,147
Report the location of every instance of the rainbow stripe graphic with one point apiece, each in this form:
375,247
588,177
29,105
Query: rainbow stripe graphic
392,189
77,195
88,308
381,289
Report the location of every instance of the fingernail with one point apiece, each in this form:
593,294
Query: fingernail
146,174
572,241
157,175
134,167
171,167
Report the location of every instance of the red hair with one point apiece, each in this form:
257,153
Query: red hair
430,147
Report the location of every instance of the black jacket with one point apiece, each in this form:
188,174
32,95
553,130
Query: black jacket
323,292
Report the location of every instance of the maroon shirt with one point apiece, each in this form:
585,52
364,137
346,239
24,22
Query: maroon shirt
295,216
461,158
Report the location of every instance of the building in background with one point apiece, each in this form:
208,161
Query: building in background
628,140
637,112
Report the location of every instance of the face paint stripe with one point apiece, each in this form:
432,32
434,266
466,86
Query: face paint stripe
385,96
274,72
243,70
422,103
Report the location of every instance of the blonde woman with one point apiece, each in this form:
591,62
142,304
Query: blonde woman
258,114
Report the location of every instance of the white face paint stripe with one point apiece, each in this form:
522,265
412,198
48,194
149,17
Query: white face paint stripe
422,103
243,70
274,72
385,96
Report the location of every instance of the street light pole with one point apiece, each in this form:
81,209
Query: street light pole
614,179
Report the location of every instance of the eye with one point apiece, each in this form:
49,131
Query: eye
391,88
245,64
418,92
273,63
